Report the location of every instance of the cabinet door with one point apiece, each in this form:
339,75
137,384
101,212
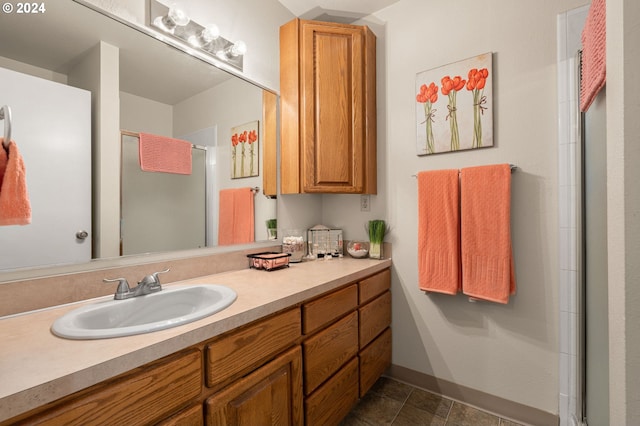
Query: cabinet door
332,107
271,395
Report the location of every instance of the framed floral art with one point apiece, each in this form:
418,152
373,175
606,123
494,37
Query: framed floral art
454,106
245,141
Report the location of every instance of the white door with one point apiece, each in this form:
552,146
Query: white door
51,125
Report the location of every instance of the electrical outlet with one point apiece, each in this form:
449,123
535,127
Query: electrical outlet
365,205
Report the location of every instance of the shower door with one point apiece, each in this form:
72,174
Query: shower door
161,211
595,292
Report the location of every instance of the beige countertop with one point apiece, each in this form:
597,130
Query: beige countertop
37,367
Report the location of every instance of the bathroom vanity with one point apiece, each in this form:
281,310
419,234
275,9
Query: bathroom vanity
299,345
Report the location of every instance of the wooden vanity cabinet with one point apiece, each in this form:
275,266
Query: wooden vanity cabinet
145,395
305,365
374,312
328,108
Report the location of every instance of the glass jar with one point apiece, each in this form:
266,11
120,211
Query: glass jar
293,242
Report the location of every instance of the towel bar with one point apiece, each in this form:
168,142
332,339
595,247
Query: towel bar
512,166
5,114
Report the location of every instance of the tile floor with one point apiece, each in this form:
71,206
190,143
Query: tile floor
390,402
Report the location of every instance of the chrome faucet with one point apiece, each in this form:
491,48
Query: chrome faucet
149,284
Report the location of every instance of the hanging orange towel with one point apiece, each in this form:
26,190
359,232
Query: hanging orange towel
163,154
487,260
439,231
594,54
236,222
15,208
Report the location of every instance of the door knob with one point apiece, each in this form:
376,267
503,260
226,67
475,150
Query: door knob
81,235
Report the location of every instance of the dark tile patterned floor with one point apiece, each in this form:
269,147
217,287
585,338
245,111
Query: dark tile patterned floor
390,402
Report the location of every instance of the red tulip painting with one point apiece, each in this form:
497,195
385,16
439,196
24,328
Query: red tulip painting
244,150
462,116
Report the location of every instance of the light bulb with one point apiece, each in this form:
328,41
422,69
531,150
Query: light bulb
209,33
239,48
178,15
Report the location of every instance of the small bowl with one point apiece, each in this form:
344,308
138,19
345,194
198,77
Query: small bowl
358,249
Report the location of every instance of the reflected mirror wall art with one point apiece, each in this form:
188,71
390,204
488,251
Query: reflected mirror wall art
245,140
454,106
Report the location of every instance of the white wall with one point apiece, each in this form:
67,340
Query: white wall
623,209
208,109
138,114
507,351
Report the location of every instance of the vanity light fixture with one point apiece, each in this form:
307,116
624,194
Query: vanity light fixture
174,21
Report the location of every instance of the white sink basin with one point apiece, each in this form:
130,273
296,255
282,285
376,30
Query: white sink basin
156,311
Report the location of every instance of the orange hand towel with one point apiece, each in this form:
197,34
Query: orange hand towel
236,222
163,154
487,260
15,207
439,231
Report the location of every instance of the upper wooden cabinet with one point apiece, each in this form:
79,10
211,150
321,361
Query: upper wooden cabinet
328,108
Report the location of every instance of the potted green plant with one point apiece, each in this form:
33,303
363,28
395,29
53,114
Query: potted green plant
377,229
272,229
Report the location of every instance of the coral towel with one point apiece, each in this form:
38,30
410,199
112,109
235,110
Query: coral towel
163,154
236,222
439,231
594,54
487,261
15,207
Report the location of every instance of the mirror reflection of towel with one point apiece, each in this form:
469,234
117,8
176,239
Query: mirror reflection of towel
15,207
163,154
236,223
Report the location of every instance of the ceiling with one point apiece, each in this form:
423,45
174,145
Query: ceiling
345,11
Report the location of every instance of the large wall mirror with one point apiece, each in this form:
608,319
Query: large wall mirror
155,89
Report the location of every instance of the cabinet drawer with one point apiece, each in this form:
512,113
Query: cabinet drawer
271,395
327,351
333,400
327,308
375,316
374,286
374,360
193,416
235,354
146,395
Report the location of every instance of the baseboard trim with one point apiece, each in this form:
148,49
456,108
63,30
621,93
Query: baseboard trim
503,407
